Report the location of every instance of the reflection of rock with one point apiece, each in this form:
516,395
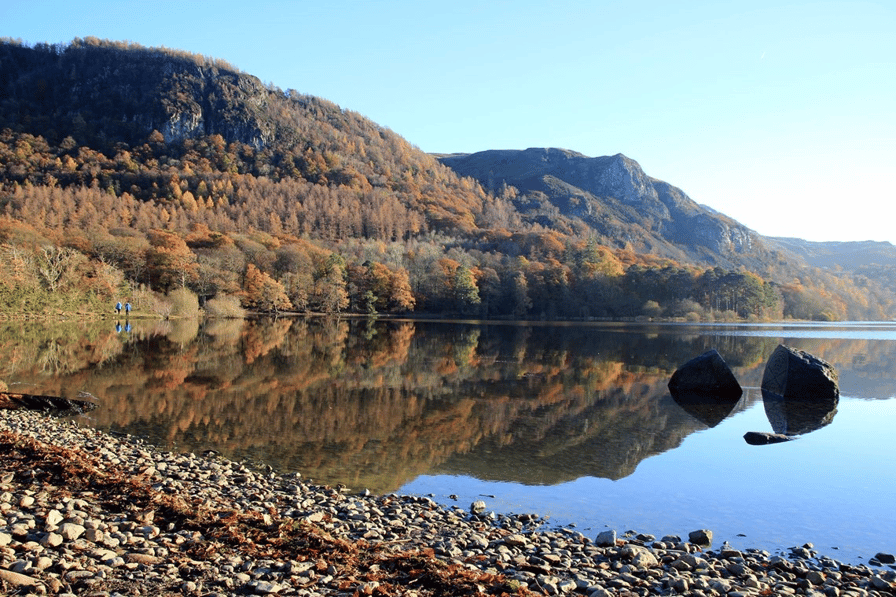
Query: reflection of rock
796,374
797,416
707,374
708,409
759,438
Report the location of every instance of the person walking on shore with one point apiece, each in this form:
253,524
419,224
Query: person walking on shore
127,309
118,308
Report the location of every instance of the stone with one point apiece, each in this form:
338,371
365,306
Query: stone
17,580
702,537
142,558
515,540
266,588
477,507
643,559
679,584
54,517
885,558
606,539
707,375
797,375
761,438
51,540
71,531
5,539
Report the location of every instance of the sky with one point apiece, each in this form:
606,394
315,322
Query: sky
781,115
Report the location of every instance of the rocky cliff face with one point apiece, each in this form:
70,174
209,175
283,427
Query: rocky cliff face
125,93
617,199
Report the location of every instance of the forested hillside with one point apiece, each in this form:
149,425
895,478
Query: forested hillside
153,174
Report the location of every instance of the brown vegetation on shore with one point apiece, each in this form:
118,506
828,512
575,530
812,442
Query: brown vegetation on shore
64,471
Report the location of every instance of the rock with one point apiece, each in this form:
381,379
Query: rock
706,375
71,531
885,558
798,375
5,539
606,539
815,577
477,507
51,540
515,540
639,557
54,517
142,558
702,537
760,438
16,579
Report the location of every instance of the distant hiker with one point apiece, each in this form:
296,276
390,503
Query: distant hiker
127,309
118,308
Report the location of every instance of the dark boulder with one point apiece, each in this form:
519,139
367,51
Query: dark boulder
706,375
797,375
759,438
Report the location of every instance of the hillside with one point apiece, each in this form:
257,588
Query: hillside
126,169
614,197
849,256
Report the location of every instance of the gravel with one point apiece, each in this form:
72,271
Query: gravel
87,513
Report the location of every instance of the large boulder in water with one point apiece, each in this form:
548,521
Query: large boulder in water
797,375
705,375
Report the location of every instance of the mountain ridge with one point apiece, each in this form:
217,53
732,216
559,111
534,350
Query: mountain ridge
616,198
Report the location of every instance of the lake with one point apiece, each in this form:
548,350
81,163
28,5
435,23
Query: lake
573,422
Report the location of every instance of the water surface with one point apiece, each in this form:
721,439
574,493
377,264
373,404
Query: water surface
570,421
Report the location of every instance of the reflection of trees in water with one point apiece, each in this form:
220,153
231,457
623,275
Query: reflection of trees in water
373,404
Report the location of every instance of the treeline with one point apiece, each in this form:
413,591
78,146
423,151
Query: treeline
85,261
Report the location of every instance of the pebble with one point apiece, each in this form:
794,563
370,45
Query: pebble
53,543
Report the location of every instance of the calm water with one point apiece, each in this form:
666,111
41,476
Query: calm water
570,421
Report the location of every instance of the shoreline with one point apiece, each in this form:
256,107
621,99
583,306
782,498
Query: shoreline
85,512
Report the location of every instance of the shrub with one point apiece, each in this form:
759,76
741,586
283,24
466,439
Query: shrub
184,303
225,306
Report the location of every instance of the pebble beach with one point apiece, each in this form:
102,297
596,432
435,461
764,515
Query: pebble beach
84,512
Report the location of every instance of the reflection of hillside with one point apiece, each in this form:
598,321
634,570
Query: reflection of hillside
608,438
376,404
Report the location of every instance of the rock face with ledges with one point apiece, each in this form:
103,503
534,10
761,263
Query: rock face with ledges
617,199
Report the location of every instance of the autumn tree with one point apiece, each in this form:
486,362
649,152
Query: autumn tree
169,261
466,293
263,293
329,294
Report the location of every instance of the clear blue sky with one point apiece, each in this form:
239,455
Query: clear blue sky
779,114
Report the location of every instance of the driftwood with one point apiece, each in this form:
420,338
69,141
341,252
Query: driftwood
52,404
